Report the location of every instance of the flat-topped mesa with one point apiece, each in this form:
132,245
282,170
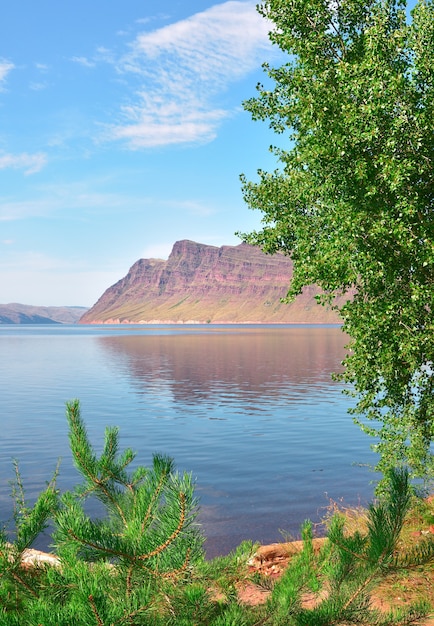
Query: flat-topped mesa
207,284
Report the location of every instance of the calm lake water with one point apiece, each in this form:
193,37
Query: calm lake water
251,411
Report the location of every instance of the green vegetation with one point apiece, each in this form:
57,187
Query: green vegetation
353,206
110,568
352,200
143,564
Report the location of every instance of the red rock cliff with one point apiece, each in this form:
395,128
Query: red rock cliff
200,283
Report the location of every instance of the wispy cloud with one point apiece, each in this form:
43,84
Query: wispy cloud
83,61
20,210
38,86
191,207
5,67
30,163
183,67
63,198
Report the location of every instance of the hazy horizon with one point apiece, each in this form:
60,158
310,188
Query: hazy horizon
122,131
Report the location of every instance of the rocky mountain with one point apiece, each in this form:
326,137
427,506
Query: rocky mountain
206,284
27,314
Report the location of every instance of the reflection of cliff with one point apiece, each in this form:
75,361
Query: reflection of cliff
231,284
257,362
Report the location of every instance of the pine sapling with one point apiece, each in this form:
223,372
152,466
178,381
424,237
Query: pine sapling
18,584
147,538
350,565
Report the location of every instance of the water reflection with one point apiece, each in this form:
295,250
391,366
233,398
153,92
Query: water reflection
256,363
255,415
252,412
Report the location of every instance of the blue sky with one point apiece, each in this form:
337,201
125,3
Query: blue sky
122,131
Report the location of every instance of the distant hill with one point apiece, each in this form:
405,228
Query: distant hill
15,313
206,284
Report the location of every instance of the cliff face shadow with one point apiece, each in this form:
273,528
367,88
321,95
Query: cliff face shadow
254,362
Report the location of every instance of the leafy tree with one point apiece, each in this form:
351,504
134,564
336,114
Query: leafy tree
353,196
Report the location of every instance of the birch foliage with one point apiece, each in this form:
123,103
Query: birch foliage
352,198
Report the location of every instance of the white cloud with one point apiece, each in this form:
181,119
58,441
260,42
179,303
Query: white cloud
13,211
105,55
183,67
42,67
153,123
5,68
83,61
30,163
